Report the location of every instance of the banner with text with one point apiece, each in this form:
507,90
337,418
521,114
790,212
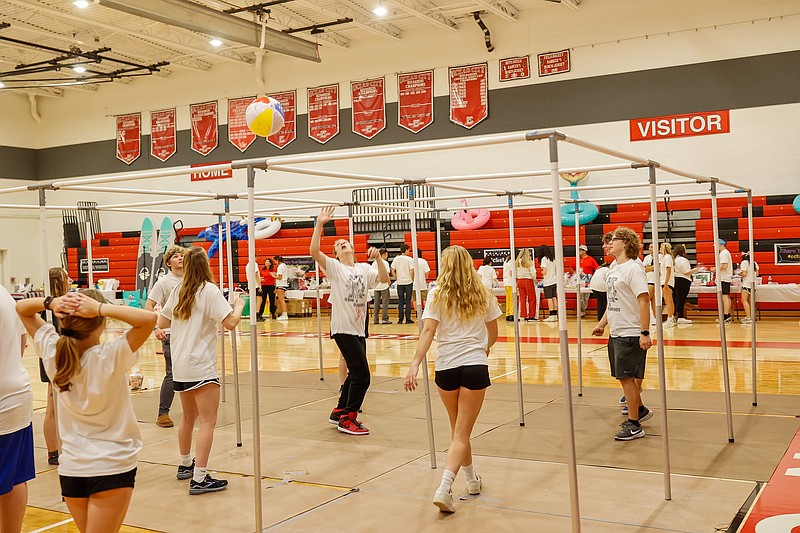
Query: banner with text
323,113
239,134
288,133
415,100
554,63
369,107
469,94
515,68
205,127
129,137
211,175
162,134
672,126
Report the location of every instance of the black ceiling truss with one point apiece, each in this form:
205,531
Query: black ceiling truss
261,10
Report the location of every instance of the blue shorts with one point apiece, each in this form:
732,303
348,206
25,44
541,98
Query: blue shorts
16,459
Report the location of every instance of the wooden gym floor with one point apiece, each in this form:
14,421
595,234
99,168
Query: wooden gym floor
318,479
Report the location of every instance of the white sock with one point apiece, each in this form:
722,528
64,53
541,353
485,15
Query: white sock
469,472
199,474
186,460
448,478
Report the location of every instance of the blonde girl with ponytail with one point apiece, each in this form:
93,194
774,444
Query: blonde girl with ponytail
100,438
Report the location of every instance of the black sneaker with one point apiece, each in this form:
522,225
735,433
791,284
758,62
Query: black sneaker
510,318
185,472
400,321
409,321
645,414
209,484
336,414
629,431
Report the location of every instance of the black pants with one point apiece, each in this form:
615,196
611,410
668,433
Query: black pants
354,389
602,303
167,388
267,291
404,293
682,286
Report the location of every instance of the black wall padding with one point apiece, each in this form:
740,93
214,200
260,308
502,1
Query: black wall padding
608,208
780,199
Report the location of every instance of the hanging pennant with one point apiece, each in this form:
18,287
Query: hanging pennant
323,113
515,68
162,134
369,107
469,94
129,137
239,134
205,126
415,100
288,132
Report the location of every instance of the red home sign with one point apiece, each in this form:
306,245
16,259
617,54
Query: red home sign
672,126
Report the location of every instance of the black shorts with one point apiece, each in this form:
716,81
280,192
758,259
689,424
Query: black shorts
472,377
42,373
83,487
550,291
186,386
726,287
745,289
626,357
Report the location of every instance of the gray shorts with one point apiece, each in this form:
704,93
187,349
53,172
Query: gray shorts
626,357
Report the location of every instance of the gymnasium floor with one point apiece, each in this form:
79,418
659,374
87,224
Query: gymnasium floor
317,479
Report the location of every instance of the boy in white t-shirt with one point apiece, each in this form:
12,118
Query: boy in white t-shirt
402,267
627,313
381,291
725,276
350,284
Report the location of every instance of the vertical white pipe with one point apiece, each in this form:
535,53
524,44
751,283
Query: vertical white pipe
319,320
234,332
89,254
221,327
753,305
512,253
578,296
572,460
43,243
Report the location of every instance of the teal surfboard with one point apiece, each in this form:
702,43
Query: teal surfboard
166,238
145,260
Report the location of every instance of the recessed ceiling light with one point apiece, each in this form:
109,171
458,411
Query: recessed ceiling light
80,69
215,42
2,84
380,11
83,4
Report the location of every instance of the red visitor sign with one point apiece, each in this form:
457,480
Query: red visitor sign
672,126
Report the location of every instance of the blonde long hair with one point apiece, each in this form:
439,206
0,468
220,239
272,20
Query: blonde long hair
460,293
73,330
196,272
524,258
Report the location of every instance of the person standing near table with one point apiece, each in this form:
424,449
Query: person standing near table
667,280
282,275
683,283
381,292
401,271
487,273
749,275
725,277
267,290
588,267
526,284
420,280
598,286
546,260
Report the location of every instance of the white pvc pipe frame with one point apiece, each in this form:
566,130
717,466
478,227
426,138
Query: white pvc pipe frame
553,138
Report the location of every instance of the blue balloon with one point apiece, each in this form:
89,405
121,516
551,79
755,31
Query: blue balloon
796,203
212,233
587,212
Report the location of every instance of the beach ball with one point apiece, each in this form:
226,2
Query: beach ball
265,116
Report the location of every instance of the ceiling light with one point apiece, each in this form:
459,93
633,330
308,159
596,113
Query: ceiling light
380,10
80,69
83,4
2,84
215,42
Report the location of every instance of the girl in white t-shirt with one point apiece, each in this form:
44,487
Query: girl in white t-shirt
748,277
282,274
100,438
549,281
462,314
487,273
667,280
194,310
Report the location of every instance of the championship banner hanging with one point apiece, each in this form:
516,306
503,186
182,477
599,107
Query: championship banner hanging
288,132
205,134
162,134
554,63
369,107
415,100
323,113
239,134
515,68
469,94
129,137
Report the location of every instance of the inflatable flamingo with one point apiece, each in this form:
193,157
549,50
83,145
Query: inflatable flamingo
470,218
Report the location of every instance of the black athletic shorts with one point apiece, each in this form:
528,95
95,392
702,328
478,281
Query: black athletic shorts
726,287
42,373
550,291
626,357
83,487
472,377
185,386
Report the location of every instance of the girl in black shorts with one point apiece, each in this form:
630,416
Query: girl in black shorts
462,313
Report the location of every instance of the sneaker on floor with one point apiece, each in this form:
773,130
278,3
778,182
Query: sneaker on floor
409,321
684,321
336,414
747,320
551,318
444,501
209,484
629,431
164,421
284,316
532,319
622,400
624,410
474,486
348,424
186,472
400,321
387,321
645,414
510,318
669,323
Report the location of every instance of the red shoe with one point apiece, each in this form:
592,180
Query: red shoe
336,414
348,424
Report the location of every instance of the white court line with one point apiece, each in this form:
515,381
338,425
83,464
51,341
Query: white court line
506,374
51,526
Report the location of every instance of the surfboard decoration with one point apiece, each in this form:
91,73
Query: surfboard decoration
145,261
166,238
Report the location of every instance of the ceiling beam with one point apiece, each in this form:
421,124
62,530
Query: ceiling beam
501,8
425,11
361,17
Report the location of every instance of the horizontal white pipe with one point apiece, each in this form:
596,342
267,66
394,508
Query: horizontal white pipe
334,174
140,175
158,202
36,207
319,188
527,174
503,206
159,212
21,188
296,200
604,150
156,192
494,192
279,209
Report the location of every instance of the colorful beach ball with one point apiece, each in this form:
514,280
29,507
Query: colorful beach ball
265,116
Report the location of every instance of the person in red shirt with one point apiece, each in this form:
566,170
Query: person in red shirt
588,268
267,290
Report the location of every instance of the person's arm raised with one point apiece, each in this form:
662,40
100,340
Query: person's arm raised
325,216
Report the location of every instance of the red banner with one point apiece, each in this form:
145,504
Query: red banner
205,130
554,63
288,132
515,68
469,94
129,137
162,134
211,175
672,126
239,134
369,107
415,100
323,113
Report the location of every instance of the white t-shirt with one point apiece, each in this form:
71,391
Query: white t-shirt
16,397
402,266
648,262
162,289
624,284
488,275
380,286
349,295
194,341
682,267
526,272
745,267
667,262
461,342
98,428
725,273
549,268
421,277
508,274
598,281
285,272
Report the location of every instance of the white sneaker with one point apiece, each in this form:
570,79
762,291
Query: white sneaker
747,320
284,316
684,321
474,486
444,501
669,323
551,318
521,319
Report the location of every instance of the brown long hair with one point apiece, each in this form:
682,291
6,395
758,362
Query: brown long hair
58,282
196,272
73,330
